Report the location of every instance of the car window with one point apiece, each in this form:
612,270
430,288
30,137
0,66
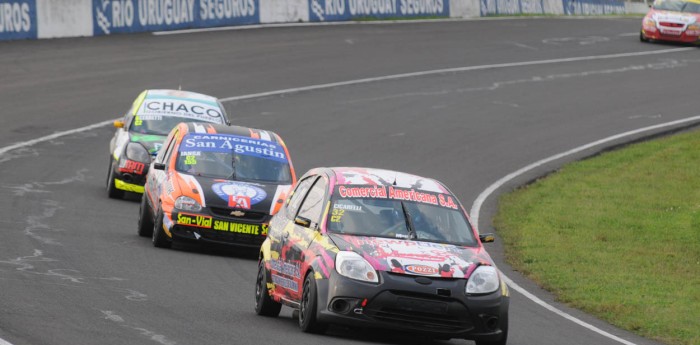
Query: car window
298,196
399,213
164,155
312,207
233,157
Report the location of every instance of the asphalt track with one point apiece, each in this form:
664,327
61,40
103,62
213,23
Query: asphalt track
73,270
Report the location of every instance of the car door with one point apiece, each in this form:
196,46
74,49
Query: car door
306,225
281,226
156,177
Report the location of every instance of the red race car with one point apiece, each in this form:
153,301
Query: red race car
379,248
673,21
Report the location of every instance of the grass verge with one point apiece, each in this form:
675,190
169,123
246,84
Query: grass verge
617,236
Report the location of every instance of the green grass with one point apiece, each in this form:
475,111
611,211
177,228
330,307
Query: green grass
617,235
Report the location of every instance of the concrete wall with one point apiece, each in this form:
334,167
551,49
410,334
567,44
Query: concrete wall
32,19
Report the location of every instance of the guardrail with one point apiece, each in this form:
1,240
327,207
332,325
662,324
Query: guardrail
38,19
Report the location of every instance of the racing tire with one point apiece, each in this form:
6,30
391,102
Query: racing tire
160,239
145,218
308,308
504,336
264,304
112,190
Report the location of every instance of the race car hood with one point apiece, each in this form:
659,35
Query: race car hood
244,196
151,142
674,17
414,257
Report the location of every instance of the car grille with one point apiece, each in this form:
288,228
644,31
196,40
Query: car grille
249,215
233,238
671,25
426,314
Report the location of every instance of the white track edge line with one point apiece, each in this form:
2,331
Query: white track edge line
476,209
451,70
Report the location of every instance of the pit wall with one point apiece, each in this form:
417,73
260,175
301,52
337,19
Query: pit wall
37,19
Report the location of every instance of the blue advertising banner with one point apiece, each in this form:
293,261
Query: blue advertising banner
18,19
123,16
593,7
337,10
499,7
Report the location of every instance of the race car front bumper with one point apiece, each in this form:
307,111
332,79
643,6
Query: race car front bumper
434,306
218,230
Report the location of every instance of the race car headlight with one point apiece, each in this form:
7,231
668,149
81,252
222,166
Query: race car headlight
484,279
649,22
694,27
353,266
188,204
136,152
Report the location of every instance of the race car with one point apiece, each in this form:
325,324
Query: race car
672,21
215,184
376,248
140,133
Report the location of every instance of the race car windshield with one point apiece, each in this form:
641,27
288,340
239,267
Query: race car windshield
159,125
410,220
233,157
677,6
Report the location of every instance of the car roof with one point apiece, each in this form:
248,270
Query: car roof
187,104
382,177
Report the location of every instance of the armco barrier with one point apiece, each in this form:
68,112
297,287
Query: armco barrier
31,19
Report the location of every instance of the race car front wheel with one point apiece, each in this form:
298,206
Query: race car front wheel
112,190
145,219
264,304
308,307
160,239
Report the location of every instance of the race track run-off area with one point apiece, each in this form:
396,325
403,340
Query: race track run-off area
483,105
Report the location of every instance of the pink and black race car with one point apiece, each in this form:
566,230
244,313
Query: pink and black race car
378,248
673,21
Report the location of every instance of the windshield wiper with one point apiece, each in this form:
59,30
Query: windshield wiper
411,229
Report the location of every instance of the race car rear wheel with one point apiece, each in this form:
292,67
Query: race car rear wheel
264,304
145,219
112,190
160,239
308,307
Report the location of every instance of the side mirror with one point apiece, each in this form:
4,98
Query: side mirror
118,123
159,166
487,238
305,222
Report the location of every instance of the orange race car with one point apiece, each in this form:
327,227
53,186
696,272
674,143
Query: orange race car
215,183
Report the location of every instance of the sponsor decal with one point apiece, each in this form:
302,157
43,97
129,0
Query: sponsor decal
250,229
153,107
234,143
238,194
381,192
337,215
421,269
194,220
239,201
332,10
288,269
122,16
129,166
355,208
285,283
593,7
18,19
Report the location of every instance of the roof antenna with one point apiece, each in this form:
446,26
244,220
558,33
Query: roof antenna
395,175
